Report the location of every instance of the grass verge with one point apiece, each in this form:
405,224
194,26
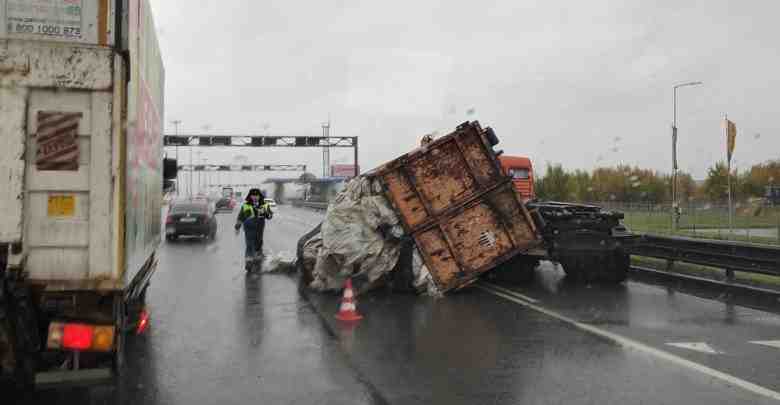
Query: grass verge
660,224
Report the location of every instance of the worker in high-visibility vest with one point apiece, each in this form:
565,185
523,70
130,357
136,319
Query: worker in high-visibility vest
252,216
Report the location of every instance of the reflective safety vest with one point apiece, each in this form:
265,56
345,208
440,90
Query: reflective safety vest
249,210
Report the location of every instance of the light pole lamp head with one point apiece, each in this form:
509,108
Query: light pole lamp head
688,84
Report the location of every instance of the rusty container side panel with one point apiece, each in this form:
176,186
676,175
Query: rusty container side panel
405,199
477,237
473,240
461,210
508,205
443,177
438,257
451,171
484,165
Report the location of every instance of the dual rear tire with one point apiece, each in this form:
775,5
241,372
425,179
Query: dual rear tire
518,270
609,267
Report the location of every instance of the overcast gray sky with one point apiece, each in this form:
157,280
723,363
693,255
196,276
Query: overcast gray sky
582,83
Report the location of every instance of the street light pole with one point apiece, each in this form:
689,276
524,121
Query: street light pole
205,176
675,204
176,124
199,186
191,172
326,150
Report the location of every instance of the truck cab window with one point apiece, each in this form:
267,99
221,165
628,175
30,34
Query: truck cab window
519,174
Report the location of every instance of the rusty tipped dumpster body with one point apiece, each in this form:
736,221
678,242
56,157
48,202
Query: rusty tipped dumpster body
461,211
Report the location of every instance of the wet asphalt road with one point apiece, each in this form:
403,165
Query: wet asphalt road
220,337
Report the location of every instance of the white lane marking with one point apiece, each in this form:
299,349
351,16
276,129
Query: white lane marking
508,291
643,348
696,346
770,343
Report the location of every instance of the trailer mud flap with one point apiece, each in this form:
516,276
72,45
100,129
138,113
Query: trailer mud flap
7,357
19,338
141,281
6,349
24,317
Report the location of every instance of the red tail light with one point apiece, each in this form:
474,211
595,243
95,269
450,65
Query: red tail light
143,322
77,336
81,337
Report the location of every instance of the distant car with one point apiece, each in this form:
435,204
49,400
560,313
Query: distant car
191,218
225,204
271,202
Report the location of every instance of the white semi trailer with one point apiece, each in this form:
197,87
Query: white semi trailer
81,113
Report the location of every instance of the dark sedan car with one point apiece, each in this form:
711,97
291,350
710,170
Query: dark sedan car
226,204
191,218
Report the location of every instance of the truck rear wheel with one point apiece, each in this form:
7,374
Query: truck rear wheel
20,325
609,267
518,270
7,350
128,316
617,266
576,267
25,371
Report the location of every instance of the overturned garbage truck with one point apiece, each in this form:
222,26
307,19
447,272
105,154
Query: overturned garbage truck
438,217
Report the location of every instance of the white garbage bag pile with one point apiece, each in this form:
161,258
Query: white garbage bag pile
360,238
281,262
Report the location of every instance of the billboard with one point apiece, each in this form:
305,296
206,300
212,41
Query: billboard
343,170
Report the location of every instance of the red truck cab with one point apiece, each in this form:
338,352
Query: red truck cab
521,171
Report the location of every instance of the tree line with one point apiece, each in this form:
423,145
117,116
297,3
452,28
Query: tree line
625,183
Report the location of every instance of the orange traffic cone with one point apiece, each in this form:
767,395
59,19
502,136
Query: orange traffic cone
348,311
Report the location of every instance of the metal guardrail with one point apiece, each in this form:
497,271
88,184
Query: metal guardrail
728,255
749,295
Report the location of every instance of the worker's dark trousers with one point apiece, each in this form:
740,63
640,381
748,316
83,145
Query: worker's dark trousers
254,240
